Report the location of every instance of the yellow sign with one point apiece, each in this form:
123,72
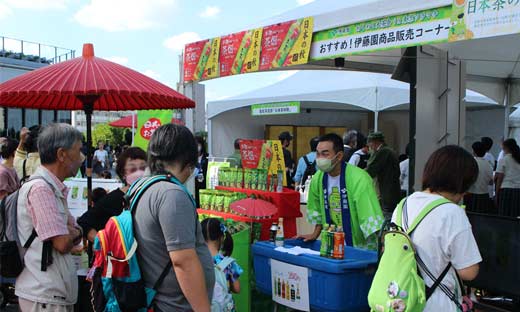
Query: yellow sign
300,51
252,61
277,162
212,67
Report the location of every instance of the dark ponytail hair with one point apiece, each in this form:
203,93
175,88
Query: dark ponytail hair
213,229
513,148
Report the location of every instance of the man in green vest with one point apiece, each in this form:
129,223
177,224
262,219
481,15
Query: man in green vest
343,195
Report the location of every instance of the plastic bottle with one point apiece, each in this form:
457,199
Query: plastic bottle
279,233
324,241
339,244
330,241
273,230
279,186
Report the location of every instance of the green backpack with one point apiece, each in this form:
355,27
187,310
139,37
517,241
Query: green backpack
398,285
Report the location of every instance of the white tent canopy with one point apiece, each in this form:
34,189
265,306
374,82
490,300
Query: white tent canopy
367,91
335,98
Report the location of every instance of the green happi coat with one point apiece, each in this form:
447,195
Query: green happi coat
366,217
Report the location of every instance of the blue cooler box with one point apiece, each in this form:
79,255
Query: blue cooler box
334,285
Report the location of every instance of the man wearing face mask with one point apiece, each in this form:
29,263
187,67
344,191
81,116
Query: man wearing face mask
342,195
383,167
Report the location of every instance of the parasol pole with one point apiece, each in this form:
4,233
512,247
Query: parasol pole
88,108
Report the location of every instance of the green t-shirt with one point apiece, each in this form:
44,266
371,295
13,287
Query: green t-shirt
366,217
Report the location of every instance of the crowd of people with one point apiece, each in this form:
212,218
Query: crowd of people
356,184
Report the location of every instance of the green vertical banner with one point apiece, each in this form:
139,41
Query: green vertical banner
147,122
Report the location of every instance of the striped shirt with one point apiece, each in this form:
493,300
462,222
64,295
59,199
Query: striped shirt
42,206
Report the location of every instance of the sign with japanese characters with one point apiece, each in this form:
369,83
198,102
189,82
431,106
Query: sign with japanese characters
263,154
147,122
290,285
281,108
400,31
471,19
274,46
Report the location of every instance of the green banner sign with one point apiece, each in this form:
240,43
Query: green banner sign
281,108
147,122
392,32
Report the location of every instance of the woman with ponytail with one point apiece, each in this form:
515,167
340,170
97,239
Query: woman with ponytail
220,245
507,180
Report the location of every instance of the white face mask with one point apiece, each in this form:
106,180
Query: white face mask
190,179
325,164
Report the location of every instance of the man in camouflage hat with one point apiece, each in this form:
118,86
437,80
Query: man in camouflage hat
383,167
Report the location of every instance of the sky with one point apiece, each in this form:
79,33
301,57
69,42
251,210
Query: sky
145,35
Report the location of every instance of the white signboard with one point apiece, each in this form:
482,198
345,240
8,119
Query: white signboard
281,108
472,19
78,192
290,285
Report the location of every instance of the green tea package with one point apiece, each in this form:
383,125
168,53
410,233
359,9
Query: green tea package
240,178
219,202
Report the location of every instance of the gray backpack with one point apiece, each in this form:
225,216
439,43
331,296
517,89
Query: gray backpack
11,250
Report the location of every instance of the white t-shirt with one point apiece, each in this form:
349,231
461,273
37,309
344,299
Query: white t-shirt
485,175
490,158
356,157
404,167
511,170
443,236
332,182
101,155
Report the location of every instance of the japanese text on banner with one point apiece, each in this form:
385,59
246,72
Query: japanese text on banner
473,19
431,26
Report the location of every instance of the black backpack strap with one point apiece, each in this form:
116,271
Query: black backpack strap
307,162
163,275
436,282
30,240
24,170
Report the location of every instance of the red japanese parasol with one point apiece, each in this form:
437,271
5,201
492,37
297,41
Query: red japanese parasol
254,208
89,83
126,122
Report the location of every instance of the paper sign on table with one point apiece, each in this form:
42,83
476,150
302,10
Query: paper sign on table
290,285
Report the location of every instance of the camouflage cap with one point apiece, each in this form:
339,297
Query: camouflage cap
376,136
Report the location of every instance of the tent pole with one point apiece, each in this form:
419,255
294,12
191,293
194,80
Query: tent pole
376,120
507,109
133,128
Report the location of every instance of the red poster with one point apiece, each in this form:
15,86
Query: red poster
273,36
192,57
251,150
229,46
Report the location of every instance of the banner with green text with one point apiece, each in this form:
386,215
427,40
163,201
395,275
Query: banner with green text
147,122
399,31
280,108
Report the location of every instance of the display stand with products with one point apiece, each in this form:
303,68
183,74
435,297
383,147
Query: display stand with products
287,203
